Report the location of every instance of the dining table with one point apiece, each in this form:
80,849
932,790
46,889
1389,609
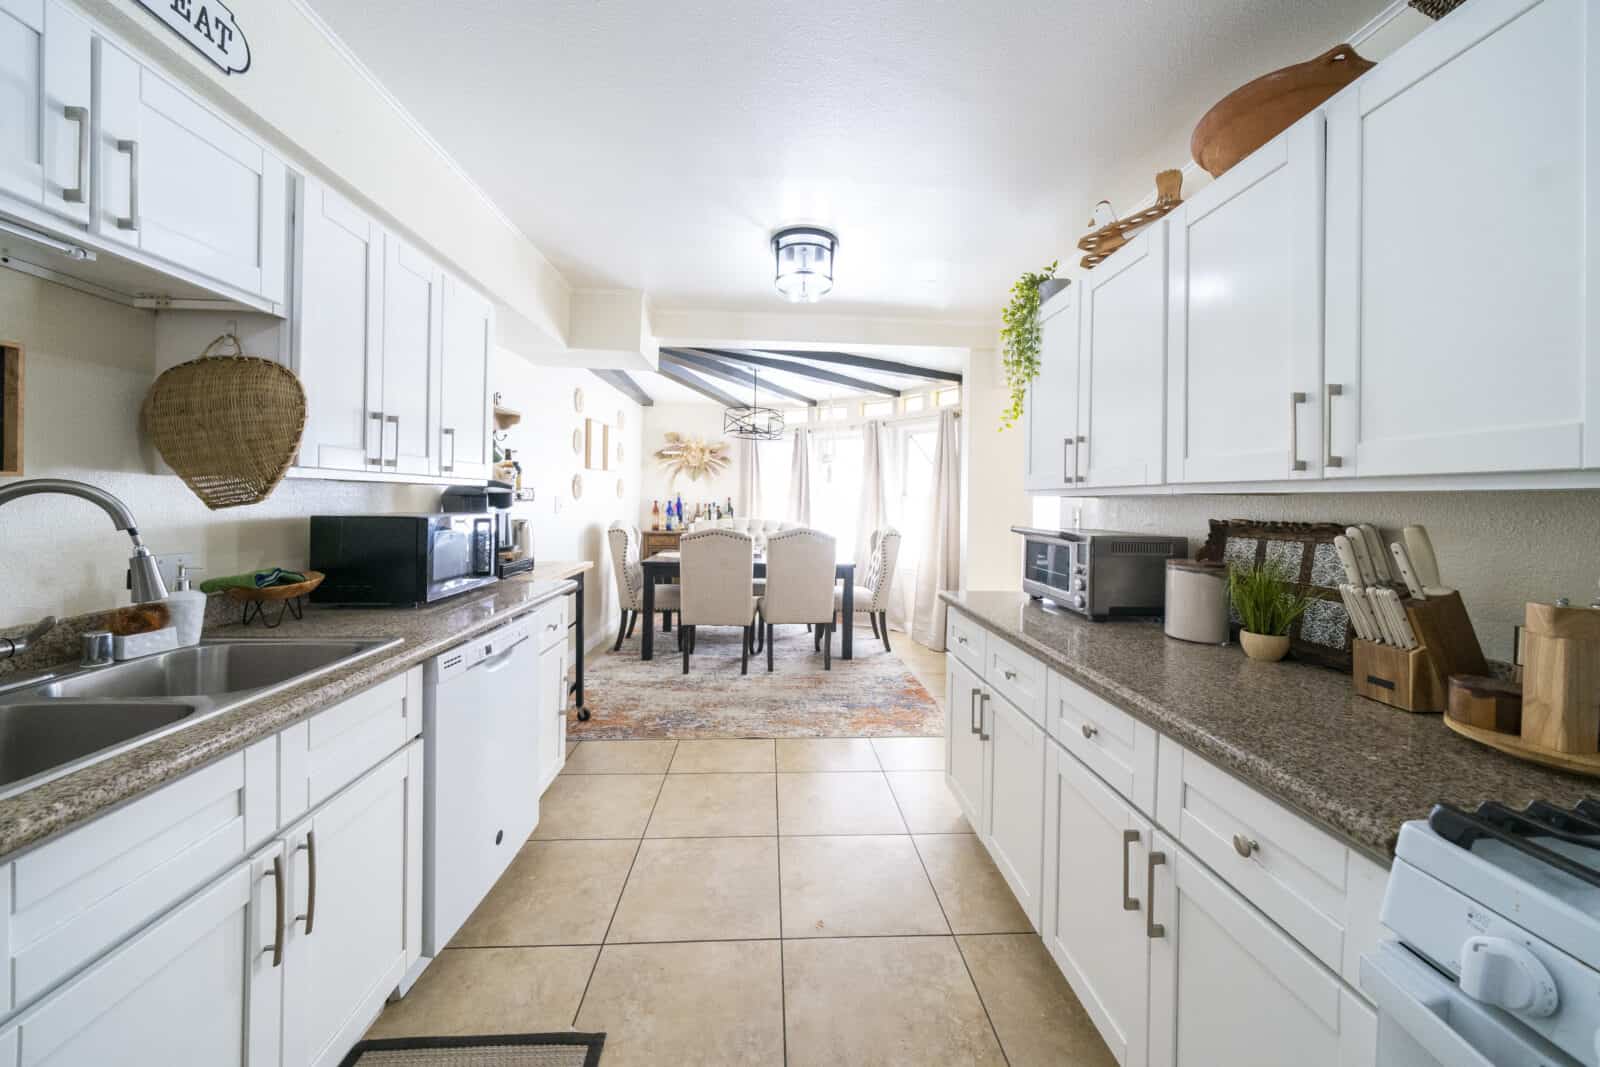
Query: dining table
665,566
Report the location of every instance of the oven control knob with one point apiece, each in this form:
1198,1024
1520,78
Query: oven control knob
1506,975
1079,584
1079,602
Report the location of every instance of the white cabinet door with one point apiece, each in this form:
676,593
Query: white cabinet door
411,364
1095,902
1015,829
338,330
1050,421
964,755
551,708
354,873
182,185
1244,331
1463,251
45,57
1227,986
199,985
464,385
1122,365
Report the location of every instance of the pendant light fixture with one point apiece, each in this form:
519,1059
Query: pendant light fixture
753,423
803,263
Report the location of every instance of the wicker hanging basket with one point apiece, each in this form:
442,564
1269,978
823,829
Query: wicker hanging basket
228,424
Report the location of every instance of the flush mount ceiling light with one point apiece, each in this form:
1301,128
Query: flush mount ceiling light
803,263
753,423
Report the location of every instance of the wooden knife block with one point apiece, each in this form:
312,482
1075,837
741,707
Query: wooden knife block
1417,679
1561,679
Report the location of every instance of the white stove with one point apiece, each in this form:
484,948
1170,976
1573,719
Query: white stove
1498,959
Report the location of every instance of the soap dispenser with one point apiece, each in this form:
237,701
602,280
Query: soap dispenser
188,609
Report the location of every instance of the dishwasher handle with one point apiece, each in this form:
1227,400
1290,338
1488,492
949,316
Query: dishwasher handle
498,661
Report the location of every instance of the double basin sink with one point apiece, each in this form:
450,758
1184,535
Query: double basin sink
58,722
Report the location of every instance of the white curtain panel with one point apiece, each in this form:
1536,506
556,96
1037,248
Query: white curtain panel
940,565
799,509
749,478
874,513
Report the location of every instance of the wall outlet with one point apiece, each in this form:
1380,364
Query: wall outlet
168,563
1077,517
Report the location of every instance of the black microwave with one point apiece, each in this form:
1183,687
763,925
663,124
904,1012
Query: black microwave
400,559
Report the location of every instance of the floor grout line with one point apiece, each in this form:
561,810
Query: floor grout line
783,976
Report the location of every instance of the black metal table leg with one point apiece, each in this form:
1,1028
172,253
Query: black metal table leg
577,615
847,636
647,640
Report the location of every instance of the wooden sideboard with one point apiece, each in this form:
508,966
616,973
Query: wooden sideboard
659,541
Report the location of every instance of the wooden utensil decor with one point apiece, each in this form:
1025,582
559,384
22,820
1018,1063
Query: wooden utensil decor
1108,238
1258,111
228,424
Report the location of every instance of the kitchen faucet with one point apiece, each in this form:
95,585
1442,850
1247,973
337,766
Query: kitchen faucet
144,577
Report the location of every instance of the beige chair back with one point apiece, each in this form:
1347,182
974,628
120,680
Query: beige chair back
626,565
800,570
880,568
716,571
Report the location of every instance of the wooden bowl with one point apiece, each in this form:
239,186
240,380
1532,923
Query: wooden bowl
278,592
1258,111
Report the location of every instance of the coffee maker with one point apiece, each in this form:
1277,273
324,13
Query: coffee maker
493,498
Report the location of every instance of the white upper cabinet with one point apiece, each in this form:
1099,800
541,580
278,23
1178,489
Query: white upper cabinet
1244,334
464,386
412,298
1463,229
338,330
1122,365
1050,419
180,184
45,108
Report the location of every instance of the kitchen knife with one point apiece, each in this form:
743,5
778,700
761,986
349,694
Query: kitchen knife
1358,615
1375,616
1347,556
1397,618
1358,545
1380,558
1402,560
1424,564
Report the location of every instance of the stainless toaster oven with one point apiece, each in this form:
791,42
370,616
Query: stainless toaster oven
1098,573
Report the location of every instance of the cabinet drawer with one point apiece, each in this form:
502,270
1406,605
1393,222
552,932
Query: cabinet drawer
69,900
333,748
1016,676
1296,874
1109,741
550,623
967,640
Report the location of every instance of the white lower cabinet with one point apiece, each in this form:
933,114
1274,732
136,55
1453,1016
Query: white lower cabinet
1096,847
552,711
964,748
1014,814
1228,986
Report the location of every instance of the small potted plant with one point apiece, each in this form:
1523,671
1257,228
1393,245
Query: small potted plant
1268,603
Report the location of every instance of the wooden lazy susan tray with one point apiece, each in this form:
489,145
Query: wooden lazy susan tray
1514,745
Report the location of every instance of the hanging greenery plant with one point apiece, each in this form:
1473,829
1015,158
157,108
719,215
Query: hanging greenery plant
1020,340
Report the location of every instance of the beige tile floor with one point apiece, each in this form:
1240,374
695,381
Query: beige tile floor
758,902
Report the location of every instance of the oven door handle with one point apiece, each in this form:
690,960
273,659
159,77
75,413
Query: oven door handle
1410,995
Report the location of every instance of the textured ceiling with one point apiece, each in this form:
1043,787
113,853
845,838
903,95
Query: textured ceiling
951,145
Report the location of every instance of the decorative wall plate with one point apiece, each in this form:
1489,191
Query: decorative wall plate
620,422
577,441
577,400
619,451
619,488
577,487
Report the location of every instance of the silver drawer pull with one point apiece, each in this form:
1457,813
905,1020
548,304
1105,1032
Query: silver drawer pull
1328,458
377,417
1245,846
1295,462
1153,929
961,640
983,698
130,221
972,714
1129,902
1011,676
1088,731
79,115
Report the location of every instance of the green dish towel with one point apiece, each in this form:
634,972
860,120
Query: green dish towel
261,579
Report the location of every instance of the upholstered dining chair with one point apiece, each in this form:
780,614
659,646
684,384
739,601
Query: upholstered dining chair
872,597
629,570
800,569
716,569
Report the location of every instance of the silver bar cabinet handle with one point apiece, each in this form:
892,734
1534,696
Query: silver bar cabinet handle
1077,451
1129,903
1328,458
377,417
393,420
1295,462
972,714
80,115
1153,929
130,221
309,847
276,948
1069,471
982,700
450,433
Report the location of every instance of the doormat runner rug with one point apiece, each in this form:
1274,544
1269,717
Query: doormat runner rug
872,695
495,1050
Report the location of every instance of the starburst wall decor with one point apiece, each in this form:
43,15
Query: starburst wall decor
692,456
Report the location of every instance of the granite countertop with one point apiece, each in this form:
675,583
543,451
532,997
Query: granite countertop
55,806
1299,733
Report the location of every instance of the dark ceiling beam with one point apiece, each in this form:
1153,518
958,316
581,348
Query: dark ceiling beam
692,381
719,369
805,370
887,366
620,380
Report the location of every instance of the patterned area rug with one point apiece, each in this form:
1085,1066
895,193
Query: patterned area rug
873,695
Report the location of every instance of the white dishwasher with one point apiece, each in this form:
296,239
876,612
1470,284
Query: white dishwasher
481,790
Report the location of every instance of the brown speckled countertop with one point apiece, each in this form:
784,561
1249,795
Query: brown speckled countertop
49,809
1298,733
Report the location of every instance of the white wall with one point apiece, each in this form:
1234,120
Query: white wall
1500,549
992,497
693,420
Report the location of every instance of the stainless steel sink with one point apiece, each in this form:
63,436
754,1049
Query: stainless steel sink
57,722
35,738
207,670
